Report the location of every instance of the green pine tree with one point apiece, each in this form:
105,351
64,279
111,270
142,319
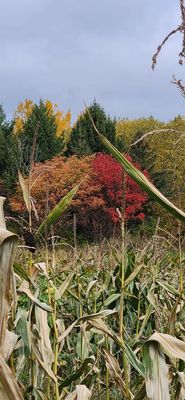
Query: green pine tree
9,154
83,139
38,141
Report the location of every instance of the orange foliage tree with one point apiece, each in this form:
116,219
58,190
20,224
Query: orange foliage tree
97,199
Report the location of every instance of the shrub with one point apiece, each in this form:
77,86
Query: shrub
97,200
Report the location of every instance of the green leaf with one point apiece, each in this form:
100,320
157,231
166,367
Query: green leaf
168,287
22,328
76,375
111,299
24,288
20,271
57,211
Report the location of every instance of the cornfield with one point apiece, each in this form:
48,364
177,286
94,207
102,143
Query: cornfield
102,322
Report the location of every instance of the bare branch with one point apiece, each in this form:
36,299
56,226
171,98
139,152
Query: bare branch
181,29
158,131
179,84
182,53
154,58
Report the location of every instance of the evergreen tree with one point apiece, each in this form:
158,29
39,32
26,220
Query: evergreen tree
8,153
38,139
83,139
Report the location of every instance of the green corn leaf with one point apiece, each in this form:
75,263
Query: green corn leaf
20,271
76,375
57,211
165,285
111,299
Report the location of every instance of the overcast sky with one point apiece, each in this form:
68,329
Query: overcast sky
71,51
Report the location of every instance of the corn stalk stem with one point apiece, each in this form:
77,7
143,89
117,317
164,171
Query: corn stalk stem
52,302
121,313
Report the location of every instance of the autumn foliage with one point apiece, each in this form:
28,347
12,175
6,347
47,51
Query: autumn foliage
110,175
98,199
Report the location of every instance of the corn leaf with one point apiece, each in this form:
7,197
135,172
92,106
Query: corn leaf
9,389
76,375
165,285
100,325
57,211
83,393
113,297
115,372
43,343
181,379
7,253
9,344
24,288
156,373
169,345
61,290
39,395
133,274
22,327
25,191
70,396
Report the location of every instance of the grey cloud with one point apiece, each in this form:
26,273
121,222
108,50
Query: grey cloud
70,51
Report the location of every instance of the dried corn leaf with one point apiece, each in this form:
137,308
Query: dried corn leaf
41,345
7,253
103,313
181,378
24,288
41,360
61,290
2,218
170,345
9,344
156,373
39,395
100,325
9,389
115,372
83,393
71,396
25,191
67,331
44,343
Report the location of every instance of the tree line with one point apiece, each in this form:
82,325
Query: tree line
40,136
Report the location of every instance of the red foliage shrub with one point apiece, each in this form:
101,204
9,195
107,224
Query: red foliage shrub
109,174
97,199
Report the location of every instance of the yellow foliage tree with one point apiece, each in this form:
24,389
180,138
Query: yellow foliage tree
22,113
169,147
62,120
127,131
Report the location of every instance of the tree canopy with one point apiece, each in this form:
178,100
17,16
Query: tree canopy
83,138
